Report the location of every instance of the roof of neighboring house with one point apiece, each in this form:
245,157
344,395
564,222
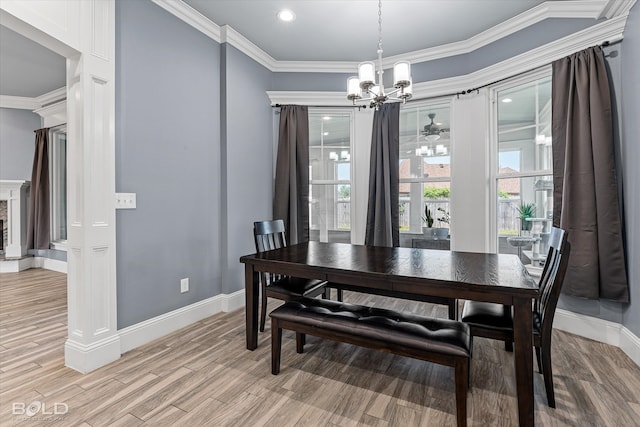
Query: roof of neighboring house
440,170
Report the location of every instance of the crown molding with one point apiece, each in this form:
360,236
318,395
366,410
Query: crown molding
191,16
616,8
546,10
315,67
18,102
52,97
610,30
26,103
550,9
246,46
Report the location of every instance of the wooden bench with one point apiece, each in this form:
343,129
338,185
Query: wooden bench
443,341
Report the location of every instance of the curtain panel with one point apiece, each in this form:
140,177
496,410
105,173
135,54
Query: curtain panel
584,177
291,193
383,214
38,231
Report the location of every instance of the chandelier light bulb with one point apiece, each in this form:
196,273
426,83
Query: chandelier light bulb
401,74
353,88
367,74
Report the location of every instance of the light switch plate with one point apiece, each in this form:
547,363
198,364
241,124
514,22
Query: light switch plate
125,200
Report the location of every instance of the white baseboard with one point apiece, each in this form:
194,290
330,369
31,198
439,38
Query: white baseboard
50,264
86,358
599,330
144,332
18,265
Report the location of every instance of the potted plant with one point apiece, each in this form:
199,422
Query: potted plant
526,210
444,217
428,219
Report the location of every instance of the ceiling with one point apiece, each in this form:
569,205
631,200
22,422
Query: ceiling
338,30
324,30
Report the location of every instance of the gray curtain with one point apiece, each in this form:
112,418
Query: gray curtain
38,232
291,195
383,215
585,198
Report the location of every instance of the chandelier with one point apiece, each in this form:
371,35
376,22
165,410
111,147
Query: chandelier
365,82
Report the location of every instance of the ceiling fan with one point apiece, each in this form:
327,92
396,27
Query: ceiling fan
432,131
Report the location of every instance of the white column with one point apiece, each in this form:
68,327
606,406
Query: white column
93,339
15,193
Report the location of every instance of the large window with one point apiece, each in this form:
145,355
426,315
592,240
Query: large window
58,186
330,176
524,180
425,166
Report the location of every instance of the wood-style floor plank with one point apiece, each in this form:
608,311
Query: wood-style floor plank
202,375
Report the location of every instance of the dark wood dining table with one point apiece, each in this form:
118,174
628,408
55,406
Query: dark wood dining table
410,273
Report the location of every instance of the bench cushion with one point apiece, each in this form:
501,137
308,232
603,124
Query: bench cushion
401,329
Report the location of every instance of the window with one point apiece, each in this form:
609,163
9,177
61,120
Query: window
330,135
58,186
425,166
524,177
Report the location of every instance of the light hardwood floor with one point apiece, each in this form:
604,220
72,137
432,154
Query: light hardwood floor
203,375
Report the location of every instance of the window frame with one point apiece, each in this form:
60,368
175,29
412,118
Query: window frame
494,165
328,111
55,191
437,102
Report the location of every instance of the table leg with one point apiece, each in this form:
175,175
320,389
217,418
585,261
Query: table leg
251,294
523,339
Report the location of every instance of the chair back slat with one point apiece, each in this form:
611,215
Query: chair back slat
269,235
552,276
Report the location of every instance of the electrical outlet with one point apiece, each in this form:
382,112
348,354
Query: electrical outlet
184,285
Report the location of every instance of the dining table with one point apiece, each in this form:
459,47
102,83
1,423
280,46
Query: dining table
410,273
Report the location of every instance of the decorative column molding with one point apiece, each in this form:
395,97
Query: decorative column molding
15,193
93,339
53,114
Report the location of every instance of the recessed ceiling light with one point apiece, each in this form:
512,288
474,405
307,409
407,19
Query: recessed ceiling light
326,118
286,15
506,100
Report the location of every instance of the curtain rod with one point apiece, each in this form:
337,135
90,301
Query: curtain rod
322,106
464,92
475,89
52,127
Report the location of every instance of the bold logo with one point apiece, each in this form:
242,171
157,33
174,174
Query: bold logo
39,408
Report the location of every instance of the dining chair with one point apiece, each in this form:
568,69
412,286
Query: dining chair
491,320
270,235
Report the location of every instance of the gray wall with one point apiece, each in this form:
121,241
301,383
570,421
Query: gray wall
168,152
248,150
17,143
630,161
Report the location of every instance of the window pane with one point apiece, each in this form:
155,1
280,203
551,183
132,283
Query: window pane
524,127
58,187
330,213
518,193
525,203
330,177
425,165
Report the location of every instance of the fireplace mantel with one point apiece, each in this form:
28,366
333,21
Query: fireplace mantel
15,193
